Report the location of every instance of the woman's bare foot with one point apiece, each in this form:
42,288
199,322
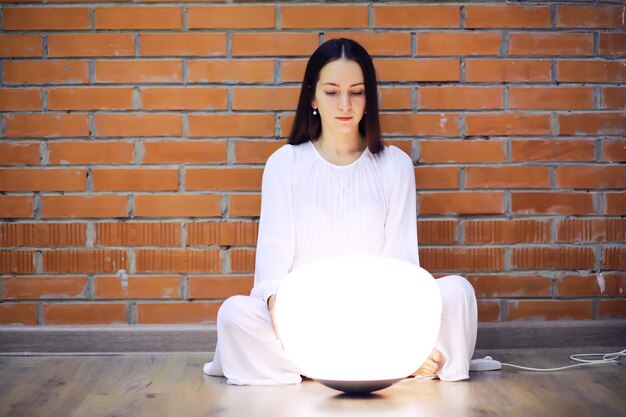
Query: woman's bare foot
431,365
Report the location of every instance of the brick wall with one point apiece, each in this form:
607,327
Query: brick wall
134,136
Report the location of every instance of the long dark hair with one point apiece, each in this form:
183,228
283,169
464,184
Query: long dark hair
308,127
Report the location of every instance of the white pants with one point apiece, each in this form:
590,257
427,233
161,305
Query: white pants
248,352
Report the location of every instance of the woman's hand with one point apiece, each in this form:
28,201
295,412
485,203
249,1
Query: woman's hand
431,365
270,304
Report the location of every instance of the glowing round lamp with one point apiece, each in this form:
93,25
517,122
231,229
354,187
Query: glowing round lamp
360,323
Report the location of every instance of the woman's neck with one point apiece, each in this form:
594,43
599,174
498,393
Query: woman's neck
340,149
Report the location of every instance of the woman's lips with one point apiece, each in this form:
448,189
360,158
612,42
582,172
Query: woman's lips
344,119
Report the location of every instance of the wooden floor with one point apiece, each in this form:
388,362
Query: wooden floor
174,385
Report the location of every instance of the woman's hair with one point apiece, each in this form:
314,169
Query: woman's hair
308,127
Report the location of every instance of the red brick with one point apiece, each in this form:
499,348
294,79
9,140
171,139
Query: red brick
222,233
536,98
178,260
46,18
613,44
612,309
607,17
591,230
592,124
183,98
458,43
590,71
437,232
511,285
134,179
614,150
323,16
19,153
85,313
242,260
615,203
178,205
441,124
265,98
396,98
614,98
591,176
177,312
462,151
17,262
292,70
431,178
137,287
20,46
461,202
90,98
22,313
590,285
90,44
405,145
140,71
153,17
452,98
12,206
229,125
423,69
137,234
84,260
255,151
185,152
83,206
45,72
15,99
232,71
90,152
385,43
272,44
506,231
542,44
42,179
461,259
488,311
614,258
552,150
480,17
43,234
563,257
45,125
416,16
219,286
552,203
507,124
286,124
507,70
237,179
507,177
32,288
182,44
550,310
244,205
138,124
231,17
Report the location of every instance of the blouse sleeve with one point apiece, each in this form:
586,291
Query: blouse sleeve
401,222
275,243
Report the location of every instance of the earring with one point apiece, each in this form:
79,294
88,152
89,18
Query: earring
314,112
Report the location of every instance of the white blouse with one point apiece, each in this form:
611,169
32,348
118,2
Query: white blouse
312,209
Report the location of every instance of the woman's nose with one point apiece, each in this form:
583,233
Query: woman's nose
344,102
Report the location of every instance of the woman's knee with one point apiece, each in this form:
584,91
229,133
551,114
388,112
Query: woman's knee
232,311
457,288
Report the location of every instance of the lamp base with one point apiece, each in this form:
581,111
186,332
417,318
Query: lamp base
358,387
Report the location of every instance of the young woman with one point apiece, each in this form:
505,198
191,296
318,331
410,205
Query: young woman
335,189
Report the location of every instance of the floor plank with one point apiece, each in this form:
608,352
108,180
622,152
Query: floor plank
173,385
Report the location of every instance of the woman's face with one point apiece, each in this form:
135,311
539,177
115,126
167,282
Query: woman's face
340,96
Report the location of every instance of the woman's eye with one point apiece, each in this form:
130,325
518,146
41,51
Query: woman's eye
357,93
330,93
